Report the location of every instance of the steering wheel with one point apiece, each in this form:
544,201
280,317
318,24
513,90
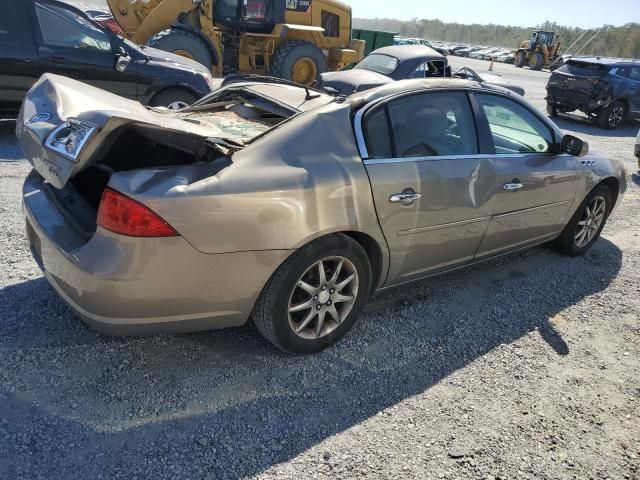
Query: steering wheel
430,150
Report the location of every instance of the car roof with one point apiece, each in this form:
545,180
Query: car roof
408,52
420,84
605,60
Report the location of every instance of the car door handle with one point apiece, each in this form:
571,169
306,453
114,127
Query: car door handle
407,197
512,187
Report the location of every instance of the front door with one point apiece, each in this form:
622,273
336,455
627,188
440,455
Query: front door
19,68
431,188
534,186
71,45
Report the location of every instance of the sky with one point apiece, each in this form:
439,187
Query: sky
576,13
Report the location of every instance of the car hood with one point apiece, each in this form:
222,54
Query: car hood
500,82
157,56
350,81
54,101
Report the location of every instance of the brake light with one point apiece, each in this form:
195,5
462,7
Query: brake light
121,214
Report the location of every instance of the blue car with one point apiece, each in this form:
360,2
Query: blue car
607,90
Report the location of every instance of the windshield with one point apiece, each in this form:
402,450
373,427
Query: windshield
376,62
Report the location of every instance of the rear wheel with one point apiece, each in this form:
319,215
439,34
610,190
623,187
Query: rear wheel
536,62
612,116
316,295
173,99
586,224
552,110
299,61
185,44
521,59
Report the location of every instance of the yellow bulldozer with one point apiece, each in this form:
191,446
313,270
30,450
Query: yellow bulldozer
540,51
291,39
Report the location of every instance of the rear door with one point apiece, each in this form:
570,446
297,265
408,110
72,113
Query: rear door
534,186
18,55
430,186
632,76
70,44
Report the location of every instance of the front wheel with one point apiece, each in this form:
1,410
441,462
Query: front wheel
586,224
316,295
536,62
298,61
520,60
173,99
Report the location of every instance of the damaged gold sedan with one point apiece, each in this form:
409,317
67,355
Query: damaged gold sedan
280,203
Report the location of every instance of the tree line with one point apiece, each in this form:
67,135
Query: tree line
622,41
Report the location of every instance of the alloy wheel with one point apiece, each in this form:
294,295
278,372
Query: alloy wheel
177,105
323,297
590,221
616,115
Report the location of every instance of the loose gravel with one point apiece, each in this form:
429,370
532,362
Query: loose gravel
523,367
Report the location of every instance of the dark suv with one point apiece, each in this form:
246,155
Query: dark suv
606,89
47,36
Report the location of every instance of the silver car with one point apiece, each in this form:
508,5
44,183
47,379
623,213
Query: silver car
282,204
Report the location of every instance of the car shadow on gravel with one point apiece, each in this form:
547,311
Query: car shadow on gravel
581,125
225,404
9,147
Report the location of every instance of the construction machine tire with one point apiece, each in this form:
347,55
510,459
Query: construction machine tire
536,62
183,43
521,59
299,61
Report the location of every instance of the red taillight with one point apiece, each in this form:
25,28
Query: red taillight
125,216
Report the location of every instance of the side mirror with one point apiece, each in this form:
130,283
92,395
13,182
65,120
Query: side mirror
122,61
574,146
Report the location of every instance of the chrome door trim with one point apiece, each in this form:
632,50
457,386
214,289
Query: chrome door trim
444,225
539,207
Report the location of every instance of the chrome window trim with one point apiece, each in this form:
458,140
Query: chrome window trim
476,156
362,145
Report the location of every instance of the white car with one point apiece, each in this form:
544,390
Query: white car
480,54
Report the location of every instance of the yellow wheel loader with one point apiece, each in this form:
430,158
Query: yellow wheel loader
538,52
293,39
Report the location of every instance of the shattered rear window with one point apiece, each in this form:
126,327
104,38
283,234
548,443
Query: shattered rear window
228,123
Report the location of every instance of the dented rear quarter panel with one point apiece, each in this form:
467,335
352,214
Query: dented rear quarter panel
301,181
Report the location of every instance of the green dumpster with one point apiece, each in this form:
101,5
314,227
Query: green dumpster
374,39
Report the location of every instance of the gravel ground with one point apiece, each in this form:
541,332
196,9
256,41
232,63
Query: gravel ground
523,367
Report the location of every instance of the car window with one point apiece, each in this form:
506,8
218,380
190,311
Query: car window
427,69
64,28
424,125
377,62
376,131
634,74
514,128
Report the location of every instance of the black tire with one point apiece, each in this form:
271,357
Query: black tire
566,242
288,53
170,96
176,40
271,314
520,60
552,111
536,62
612,116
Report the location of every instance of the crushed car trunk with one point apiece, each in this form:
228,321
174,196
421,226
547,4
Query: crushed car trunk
76,139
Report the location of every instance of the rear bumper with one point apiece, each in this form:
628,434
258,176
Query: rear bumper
132,286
